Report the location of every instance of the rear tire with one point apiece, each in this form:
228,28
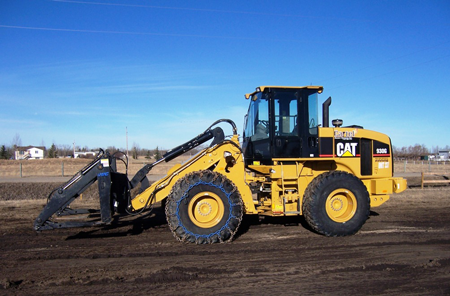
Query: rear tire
204,207
336,204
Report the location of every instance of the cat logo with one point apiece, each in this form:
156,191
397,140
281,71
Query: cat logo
346,149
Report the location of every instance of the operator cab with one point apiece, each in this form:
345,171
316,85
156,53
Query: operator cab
282,122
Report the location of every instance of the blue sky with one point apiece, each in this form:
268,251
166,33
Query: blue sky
84,71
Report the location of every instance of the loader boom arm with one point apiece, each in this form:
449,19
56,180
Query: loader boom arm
114,188
216,133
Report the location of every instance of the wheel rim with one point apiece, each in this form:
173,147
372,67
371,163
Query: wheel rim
206,209
341,205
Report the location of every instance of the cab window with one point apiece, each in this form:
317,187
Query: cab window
313,114
286,115
257,121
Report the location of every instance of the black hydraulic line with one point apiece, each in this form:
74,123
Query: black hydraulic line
229,121
208,134
121,158
145,207
216,133
177,151
80,173
142,173
171,154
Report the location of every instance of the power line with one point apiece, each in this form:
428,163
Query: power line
157,34
205,10
124,32
390,72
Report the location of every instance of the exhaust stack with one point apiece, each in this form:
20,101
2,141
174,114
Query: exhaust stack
326,112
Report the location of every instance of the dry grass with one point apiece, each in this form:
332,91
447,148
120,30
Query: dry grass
56,167
421,166
69,167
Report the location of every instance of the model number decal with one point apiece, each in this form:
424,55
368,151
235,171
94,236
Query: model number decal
382,151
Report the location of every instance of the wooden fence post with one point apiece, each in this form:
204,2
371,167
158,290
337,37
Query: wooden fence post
422,180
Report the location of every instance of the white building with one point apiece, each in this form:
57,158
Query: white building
29,152
443,155
84,154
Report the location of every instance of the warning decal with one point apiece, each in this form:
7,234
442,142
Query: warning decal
105,162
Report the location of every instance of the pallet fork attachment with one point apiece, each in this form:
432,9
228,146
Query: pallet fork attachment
101,169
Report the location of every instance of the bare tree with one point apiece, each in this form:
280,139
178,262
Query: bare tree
64,150
435,150
16,141
135,150
112,149
411,152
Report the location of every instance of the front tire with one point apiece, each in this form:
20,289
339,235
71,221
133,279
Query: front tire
336,204
204,207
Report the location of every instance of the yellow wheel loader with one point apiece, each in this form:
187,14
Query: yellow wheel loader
287,165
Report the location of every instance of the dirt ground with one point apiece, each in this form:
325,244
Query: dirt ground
404,248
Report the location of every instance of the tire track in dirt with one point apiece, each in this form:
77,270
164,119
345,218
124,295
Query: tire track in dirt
401,249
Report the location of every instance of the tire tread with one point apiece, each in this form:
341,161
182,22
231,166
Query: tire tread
181,188
311,204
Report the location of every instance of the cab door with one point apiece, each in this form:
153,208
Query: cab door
286,138
295,130
310,128
256,145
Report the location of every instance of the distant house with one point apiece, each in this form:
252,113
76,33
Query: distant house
443,155
427,157
29,152
84,154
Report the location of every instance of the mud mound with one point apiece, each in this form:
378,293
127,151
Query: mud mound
22,191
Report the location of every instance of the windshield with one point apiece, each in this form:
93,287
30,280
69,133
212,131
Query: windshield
257,121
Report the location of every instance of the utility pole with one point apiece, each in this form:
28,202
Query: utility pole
73,155
126,135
